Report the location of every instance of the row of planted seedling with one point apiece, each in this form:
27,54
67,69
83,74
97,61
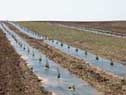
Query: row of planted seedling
46,38
77,50
31,52
30,33
37,36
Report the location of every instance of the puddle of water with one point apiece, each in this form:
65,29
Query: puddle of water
63,86
106,65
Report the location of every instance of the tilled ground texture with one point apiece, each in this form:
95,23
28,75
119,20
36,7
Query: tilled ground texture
15,77
102,81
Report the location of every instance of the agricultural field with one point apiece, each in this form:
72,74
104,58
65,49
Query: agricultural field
105,46
98,79
55,65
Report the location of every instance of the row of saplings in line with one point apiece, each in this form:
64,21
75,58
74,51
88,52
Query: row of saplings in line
71,87
86,53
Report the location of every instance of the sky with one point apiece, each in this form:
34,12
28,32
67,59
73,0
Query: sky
65,10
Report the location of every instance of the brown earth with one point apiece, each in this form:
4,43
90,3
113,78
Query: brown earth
104,82
15,77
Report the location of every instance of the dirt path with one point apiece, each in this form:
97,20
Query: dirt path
15,77
97,78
